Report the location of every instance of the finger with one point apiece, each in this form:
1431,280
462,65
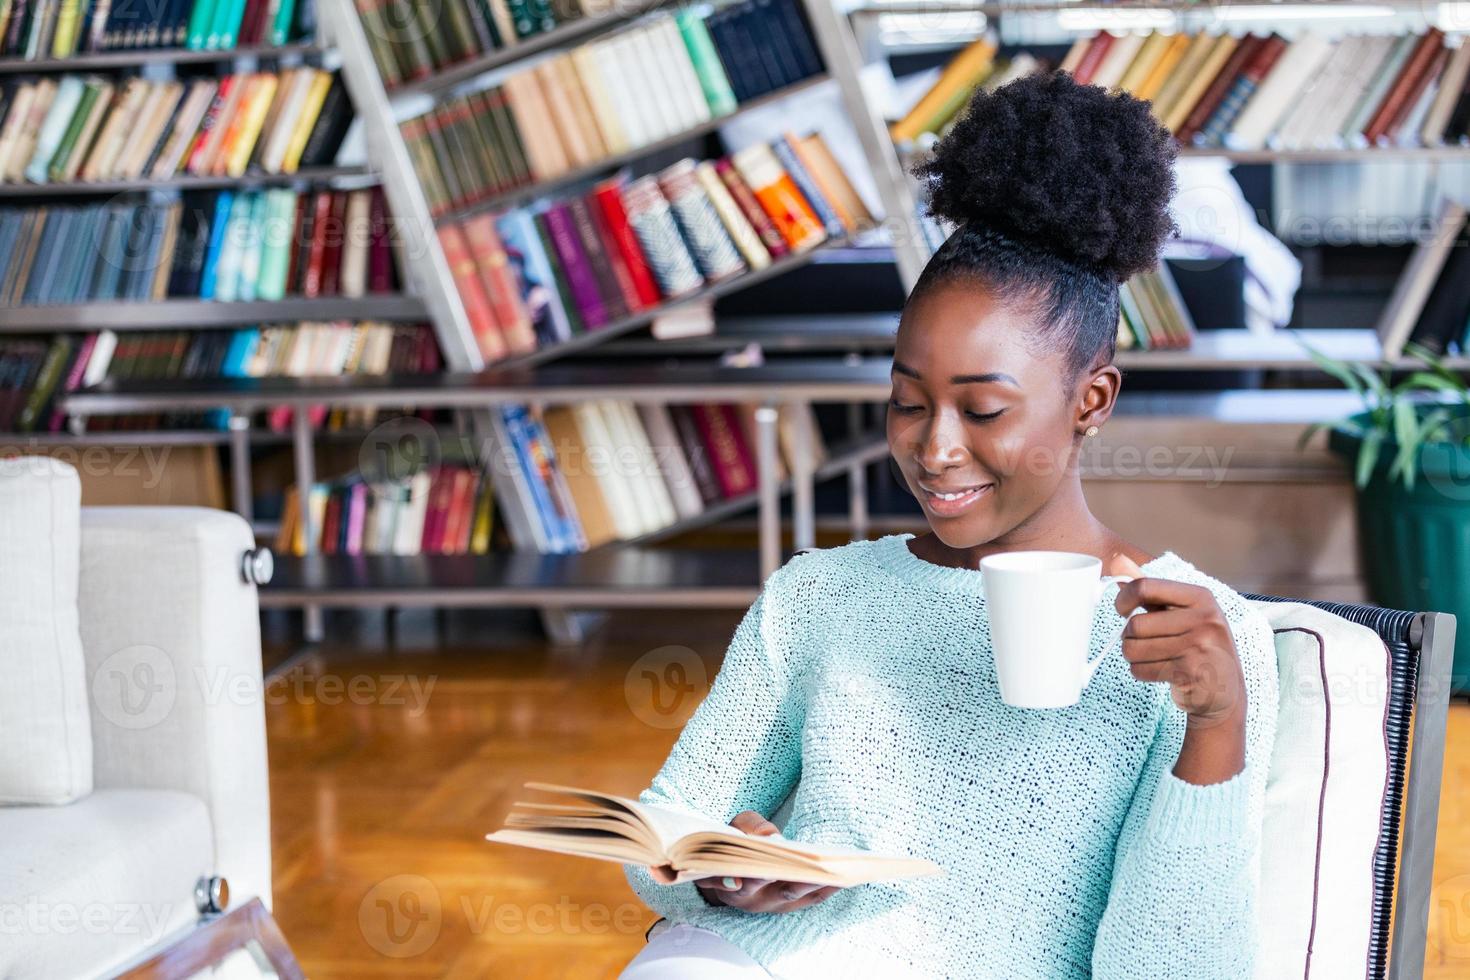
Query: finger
734,886
1155,650
1158,593
1121,564
1174,621
751,822
1159,671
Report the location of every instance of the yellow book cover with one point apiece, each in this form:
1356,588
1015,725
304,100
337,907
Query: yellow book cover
252,117
1144,62
964,72
1182,74
306,121
68,19
1220,53
595,87
1173,52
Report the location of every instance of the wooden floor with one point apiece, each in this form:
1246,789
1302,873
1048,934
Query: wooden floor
387,768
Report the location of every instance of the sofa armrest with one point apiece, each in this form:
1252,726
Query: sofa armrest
171,634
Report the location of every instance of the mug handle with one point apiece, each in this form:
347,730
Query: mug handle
1117,635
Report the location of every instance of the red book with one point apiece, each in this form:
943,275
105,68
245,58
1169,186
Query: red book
298,224
471,293
501,288
730,455
336,232
608,199
454,540
771,236
616,260
1244,54
249,32
380,255
1406,88
311,281
331,523
1092,57
441,488
194,159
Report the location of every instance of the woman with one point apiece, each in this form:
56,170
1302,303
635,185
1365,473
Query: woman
1116,838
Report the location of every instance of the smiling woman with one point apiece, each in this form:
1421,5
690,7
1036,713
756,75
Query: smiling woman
1114,837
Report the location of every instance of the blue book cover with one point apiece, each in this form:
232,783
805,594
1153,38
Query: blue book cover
808,187
222,207
237,355
109,270
534,276
43,269
88,253
537,466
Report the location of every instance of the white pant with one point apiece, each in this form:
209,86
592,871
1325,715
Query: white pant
685,952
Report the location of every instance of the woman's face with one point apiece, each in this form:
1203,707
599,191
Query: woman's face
983,427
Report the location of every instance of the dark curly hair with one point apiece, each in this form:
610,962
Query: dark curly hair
1059,192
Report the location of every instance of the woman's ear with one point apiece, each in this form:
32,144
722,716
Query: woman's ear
1098,396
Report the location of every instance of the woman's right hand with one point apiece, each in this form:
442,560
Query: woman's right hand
761,894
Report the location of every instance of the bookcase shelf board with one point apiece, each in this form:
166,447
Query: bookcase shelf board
19,441
581,29
183,182
197,314
992,9
639,318
605,578
608,164
138,57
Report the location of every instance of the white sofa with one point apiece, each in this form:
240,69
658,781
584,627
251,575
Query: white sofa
177,788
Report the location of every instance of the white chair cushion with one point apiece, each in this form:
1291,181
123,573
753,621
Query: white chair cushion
1324,795
85,887
45,727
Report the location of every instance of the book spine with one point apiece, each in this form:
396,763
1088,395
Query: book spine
573,262
477,306
499,281
653,225
597,258
779,197
610,202
802,178
720,431
713,251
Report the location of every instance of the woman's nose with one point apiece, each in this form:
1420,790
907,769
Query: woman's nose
940,447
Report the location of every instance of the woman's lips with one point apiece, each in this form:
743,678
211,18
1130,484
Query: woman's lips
953,502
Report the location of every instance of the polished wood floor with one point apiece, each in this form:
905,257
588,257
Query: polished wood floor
390,761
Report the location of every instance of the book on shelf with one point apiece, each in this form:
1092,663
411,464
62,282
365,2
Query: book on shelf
1430,303
608,470
687,846
445,510
42,29
1152,312
1313,91
36,372
228,246
533,276
609,97
92,128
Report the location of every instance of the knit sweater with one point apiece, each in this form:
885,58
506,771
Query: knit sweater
862,678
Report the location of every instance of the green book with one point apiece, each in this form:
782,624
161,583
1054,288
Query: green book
59,118
1134,315
200,17
276,244
706,59
280,31
56,169
523,17
52,369
510,138
226,12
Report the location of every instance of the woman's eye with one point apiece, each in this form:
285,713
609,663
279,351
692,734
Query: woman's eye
903,409
984,416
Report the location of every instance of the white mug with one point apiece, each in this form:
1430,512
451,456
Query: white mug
1042,605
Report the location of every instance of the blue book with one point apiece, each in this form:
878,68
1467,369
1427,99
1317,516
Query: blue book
242,348
109,271
217,229
43,269
537,469
534,275
808,187
10,222
87,254
139,272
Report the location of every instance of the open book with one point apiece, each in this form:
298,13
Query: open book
611,828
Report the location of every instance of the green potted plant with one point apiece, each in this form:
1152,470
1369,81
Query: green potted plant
1410,452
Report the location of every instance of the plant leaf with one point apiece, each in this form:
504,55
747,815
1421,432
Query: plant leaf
1368,456
1337,369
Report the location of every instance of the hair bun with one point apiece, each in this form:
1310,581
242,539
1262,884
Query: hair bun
1062,167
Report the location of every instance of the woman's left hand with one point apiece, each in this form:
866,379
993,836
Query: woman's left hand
1183,639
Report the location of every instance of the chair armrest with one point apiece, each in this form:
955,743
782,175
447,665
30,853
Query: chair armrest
171,635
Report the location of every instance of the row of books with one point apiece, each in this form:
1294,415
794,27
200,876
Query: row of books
534,276
448,510
91,128
1430,304
1152,314
226,246
599,100
610,470
36,371
35,29
1251,92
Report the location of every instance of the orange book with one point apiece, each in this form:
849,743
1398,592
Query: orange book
216,121
779,197
500,284
477,307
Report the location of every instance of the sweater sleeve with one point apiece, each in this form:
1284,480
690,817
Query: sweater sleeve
741,750
1186,868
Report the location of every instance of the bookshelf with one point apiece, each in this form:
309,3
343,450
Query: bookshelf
201,314
182,182
142,57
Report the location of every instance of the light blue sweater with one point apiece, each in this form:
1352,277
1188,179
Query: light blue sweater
862,678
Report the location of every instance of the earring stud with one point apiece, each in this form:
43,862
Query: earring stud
1092,430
